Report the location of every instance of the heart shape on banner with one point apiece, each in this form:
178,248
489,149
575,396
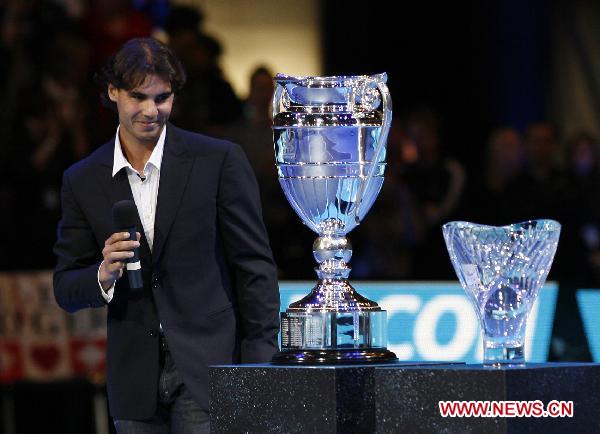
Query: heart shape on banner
45,356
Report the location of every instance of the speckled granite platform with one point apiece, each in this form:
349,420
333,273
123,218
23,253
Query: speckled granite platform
407,398
292,399
395,398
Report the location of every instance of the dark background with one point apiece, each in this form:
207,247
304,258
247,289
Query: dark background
478,64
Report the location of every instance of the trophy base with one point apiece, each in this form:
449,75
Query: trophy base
334,357
331,330
331,337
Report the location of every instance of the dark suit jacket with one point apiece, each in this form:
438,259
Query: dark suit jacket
210,280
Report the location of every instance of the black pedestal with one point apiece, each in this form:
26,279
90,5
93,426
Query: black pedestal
407,398
395,398
292,399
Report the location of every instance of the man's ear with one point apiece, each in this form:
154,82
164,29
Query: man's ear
112,92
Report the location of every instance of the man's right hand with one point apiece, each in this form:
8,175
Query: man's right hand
117,249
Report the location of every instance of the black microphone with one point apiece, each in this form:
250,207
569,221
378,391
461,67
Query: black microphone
125,217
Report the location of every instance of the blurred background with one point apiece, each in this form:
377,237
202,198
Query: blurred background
496,120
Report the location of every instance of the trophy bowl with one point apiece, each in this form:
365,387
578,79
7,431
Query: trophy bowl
330,135
502,270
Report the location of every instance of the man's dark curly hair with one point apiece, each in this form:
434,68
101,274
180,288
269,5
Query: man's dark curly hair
138,58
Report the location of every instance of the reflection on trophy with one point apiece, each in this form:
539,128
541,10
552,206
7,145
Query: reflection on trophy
330,135
502,270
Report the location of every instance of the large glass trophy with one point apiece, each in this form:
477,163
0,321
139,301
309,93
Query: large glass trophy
502,270
330,135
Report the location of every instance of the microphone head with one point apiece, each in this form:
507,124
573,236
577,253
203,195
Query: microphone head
124,214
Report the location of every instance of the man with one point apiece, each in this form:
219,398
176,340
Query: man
210,292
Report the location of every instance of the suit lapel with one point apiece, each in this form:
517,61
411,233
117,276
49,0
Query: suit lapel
117,188
174,175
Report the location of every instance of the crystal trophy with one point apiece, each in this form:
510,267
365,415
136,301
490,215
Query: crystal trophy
502,270
330,135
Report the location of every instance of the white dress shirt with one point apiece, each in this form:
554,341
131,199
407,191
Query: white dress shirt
144,187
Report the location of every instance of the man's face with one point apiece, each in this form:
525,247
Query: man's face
143,111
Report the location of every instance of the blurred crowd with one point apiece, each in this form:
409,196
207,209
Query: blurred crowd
522,176
52,114
53,117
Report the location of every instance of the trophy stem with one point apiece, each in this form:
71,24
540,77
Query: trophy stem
333,324
332,250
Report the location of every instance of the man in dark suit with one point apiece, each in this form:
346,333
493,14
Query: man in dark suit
210,292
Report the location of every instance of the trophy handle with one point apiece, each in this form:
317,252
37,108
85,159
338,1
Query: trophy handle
276,100
387,121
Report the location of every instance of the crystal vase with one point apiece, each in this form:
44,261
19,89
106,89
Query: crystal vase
502,270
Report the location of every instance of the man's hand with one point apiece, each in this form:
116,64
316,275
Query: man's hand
117,249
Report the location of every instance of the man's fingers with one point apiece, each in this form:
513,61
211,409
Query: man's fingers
118,256
117,236
120,246
117,250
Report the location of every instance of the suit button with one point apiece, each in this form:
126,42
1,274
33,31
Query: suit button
153,333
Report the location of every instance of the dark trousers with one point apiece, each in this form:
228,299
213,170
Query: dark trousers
177,412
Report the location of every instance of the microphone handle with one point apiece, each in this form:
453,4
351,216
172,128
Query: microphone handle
134,266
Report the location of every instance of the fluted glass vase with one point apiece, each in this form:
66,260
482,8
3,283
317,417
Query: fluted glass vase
502,270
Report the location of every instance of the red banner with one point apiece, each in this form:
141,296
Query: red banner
39,341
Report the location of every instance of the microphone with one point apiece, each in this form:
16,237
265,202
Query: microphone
125,218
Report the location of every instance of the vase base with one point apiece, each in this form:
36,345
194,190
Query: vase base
503,356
